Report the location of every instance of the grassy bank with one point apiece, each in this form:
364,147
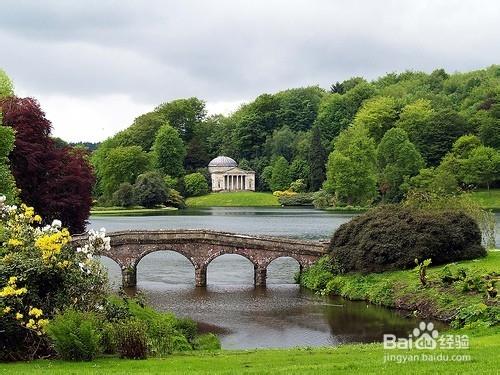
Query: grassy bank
457,292
488,199
131,211
354,359
235,199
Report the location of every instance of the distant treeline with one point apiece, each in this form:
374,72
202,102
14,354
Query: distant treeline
359,140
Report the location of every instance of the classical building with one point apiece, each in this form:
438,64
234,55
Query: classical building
226,176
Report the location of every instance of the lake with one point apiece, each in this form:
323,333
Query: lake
280,315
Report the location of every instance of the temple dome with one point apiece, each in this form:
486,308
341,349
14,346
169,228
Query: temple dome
223,161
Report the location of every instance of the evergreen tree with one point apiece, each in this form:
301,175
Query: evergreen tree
169,151
317,160
280,178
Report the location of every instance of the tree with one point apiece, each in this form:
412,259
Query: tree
253,123
378,115
351,168
169,151
124,196
281,143
280,178
195,184
149,189
317,160
142,132
298,107
123,164
183,115
436,181
337,111
398,160
299,170
482,166
196,155
56,182
7,182
6,86
432,132
488,126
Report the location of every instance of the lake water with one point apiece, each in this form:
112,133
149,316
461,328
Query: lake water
280,315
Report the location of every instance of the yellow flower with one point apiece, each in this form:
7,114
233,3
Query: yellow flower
35,312
12,280
19,316
51,244
7,309
37,219
14,242
31,324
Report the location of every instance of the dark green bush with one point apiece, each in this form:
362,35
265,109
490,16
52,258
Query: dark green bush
108,338
132,339
124,196
149,189
300,199
175,199
206,342
187,327
392,237
75,335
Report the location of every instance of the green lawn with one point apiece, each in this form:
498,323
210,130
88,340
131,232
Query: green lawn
402,289
488,199
235,199
132,211
352,359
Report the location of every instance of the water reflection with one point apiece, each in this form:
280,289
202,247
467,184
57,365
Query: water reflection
281,315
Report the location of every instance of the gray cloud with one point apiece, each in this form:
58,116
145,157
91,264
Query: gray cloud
227,50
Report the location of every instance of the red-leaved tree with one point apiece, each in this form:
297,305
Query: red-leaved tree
56,182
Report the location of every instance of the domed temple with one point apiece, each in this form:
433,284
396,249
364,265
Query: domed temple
227,176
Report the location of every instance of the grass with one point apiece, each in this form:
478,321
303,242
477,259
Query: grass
234,199
402,289
352,358
130,211
488,199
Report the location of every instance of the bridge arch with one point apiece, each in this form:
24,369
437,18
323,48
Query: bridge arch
169,265
156,249
275,273
236,269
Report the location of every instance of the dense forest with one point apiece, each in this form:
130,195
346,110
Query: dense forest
358,141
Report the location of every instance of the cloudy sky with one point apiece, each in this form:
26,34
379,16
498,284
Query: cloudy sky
96,65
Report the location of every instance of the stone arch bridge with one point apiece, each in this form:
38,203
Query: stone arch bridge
203,246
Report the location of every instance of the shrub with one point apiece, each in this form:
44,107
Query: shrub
40,274
75,335
206,342
392,237
187,327
124,196
298,186
149,189
317,276
323,199
195,184
131,339
108,338
299,199
175,199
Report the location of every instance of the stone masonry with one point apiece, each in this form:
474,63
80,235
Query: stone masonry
203,246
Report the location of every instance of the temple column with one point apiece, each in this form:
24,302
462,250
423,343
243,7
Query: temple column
259,276
244,183
129,276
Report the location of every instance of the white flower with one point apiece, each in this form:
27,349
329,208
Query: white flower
3,198
56,223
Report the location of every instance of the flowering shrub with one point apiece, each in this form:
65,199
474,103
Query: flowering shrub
41,274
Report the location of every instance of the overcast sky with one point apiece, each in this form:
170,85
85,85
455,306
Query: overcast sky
95,65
